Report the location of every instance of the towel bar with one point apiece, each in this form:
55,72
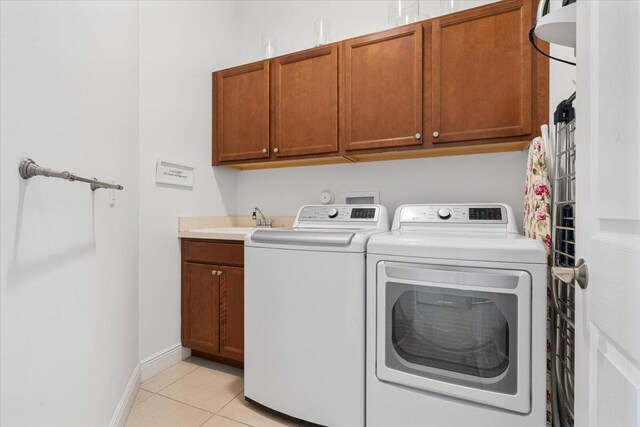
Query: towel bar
28,169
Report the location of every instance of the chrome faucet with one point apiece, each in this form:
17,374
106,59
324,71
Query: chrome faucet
261,221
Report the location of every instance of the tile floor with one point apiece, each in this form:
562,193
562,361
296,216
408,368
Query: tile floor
196,392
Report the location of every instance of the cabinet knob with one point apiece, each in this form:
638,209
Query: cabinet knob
214,272
418,136
435,134
264,150
219,272
275,150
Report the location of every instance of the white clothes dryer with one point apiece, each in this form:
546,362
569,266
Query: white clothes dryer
456,320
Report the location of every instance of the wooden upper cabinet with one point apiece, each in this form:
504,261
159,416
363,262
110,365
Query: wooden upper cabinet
241,113
470,78
382,89
232,312
200,300
306,102
479,76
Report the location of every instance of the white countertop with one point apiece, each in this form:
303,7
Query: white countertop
217,233
223,227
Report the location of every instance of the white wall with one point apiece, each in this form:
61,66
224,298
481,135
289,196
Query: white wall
69,262
479,178
292,22
562,77
181,43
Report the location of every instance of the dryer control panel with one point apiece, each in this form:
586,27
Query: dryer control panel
489,216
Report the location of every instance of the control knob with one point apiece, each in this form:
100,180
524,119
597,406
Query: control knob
444,213
333,212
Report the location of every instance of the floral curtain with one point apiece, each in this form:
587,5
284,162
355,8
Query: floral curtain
537,225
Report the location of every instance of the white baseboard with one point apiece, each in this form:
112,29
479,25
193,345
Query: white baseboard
161,360
144,370
126,401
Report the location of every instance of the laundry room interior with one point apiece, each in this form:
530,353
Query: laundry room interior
338,213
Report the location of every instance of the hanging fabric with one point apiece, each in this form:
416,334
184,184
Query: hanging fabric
537,225
537,196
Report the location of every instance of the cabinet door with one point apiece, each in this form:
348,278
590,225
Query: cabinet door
306,102
382,93
241,113
481,74
200,307
232,313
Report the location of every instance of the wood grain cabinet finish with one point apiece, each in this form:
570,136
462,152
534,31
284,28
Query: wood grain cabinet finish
241,116
232,312
200,307
213,300
382,89
306,102
480,71
464,83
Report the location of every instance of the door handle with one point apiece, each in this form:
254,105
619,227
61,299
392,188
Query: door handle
219,272
579,273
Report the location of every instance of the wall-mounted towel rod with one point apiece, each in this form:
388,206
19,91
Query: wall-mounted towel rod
28,169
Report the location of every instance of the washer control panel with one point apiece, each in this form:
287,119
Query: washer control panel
471,214
338,213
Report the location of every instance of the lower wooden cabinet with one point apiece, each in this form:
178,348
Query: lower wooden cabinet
200,307
231,311
213,299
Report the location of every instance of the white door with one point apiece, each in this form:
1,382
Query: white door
608,213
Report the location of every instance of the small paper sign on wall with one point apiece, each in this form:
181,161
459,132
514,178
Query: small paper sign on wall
174,174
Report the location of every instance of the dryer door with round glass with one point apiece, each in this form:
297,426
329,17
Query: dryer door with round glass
456,330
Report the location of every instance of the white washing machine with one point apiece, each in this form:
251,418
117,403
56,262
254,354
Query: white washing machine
305,314
456,320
